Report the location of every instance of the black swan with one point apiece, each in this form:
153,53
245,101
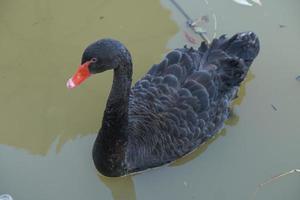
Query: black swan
178,105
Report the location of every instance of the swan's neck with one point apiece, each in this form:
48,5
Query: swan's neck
116,113
109,147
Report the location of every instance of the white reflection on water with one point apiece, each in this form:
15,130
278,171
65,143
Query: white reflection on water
247,3
5,197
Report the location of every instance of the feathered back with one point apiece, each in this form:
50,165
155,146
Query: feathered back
184,100
178,105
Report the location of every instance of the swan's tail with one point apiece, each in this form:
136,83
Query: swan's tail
236,54
244,46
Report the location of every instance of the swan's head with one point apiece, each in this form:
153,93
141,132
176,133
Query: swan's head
98,57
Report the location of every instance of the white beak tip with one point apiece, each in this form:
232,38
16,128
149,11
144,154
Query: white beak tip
70,84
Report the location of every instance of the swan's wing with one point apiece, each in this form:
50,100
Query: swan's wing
172,110
180,103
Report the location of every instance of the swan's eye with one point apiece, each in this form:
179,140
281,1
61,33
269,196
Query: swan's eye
93,60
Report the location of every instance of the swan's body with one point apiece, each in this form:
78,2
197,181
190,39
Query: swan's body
173,109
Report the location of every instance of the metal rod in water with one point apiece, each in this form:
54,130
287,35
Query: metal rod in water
180,10
204,37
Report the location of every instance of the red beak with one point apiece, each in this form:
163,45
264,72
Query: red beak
81,75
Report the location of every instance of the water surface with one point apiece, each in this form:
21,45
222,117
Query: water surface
47,131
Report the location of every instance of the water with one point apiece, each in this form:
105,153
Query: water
47,131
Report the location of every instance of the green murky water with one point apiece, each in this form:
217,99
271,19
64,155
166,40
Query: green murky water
47,132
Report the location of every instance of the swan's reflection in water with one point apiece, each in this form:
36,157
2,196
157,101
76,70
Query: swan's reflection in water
121,188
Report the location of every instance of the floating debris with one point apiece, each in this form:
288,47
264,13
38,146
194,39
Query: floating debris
185,183
190,22
243,2
282,26
35,23
257,2
273,179
199,29
200,21
274,108
190,38
246,2
298,78
5,197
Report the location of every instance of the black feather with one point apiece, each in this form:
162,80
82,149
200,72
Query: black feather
174,108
